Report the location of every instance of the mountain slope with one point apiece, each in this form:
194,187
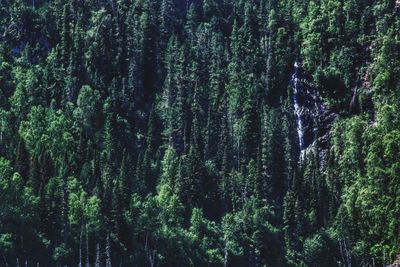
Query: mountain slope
180,133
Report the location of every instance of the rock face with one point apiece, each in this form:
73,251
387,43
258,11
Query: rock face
314,120
396,263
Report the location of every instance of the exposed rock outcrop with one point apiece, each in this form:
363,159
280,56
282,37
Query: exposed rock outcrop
396,263
314,119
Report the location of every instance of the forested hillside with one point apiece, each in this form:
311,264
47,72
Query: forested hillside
199,133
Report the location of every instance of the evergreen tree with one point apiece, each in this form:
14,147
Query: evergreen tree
166,133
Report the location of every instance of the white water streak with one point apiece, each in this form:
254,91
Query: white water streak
297,110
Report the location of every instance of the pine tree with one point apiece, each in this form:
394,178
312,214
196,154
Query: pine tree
66,39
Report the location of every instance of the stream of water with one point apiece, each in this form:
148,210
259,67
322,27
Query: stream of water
297,109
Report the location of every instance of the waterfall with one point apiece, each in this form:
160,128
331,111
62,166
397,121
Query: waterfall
313,118
297,109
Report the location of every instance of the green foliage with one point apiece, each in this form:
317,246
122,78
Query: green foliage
161,133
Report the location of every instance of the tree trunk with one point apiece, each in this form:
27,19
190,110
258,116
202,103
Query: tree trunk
97,263
108,252
151,253
87,247
80,248
269,63
5,260
226,254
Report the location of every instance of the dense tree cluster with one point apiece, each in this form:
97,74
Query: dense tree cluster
162,133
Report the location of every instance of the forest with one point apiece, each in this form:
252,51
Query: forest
174,133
